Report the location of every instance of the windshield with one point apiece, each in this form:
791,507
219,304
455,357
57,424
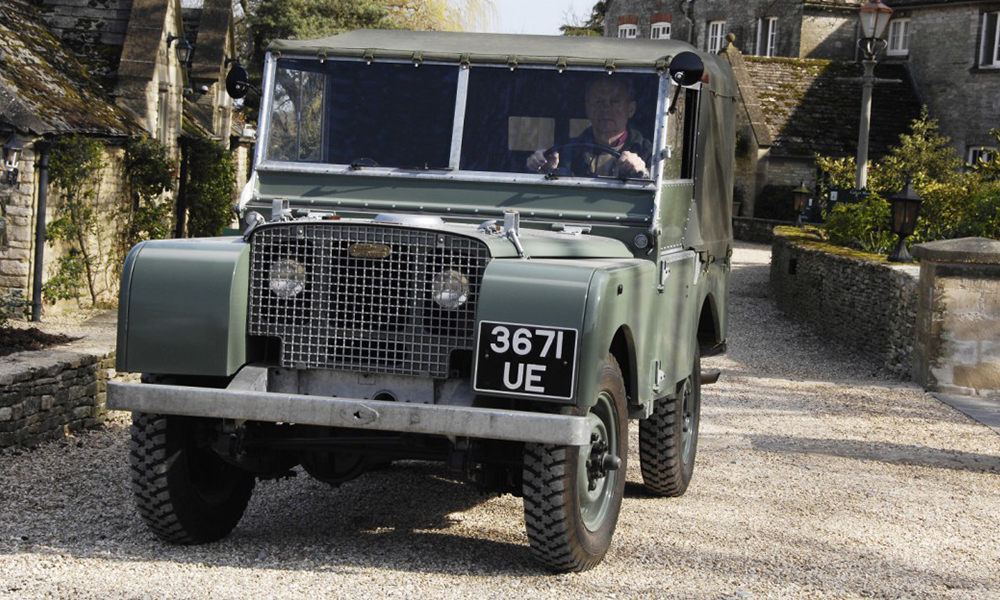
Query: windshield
394,115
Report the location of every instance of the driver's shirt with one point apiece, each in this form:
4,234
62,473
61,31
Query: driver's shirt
588,162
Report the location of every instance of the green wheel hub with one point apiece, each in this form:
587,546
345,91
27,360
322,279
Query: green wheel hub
598,464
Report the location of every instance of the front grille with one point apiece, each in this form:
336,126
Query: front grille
361,312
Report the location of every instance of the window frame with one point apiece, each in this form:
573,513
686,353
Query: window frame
767,36
716,36
974,153
658,28
903,49
628,31
989,48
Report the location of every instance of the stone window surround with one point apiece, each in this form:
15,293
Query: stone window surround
899,41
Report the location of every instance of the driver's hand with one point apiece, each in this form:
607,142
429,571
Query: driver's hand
630,165
539,161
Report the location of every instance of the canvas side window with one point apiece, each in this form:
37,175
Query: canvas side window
682,137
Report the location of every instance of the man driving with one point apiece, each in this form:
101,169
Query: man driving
609,103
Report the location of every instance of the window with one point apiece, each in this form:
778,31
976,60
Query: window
628,31
989,49
899,37
980,153
767,36
716,36
660,31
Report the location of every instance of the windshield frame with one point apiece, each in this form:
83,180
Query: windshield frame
261,162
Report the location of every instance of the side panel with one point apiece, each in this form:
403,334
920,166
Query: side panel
183,307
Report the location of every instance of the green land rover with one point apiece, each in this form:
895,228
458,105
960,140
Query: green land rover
487,250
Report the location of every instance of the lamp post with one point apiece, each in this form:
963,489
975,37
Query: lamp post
904,206
800,199
874,17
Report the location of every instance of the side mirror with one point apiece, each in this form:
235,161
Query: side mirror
238,81
686,69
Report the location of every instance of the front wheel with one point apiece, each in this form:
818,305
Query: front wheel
572,495
668,438
183,490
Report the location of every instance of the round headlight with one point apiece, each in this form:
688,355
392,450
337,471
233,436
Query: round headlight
288,278
450,289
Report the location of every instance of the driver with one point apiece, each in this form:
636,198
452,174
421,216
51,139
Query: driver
610,103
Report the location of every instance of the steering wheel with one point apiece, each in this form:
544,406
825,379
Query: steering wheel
600,147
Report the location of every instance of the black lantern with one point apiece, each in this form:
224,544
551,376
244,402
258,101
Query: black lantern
183,47
800,199
11,157
905,206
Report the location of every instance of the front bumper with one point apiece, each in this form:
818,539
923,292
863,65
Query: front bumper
272,407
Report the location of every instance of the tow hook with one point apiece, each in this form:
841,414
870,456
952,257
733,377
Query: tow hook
599,463
710,377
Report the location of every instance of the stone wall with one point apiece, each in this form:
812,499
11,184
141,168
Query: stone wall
958,323
47,394
863,303
758,231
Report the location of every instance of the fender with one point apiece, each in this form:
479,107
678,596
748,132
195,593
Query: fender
183,307
574,294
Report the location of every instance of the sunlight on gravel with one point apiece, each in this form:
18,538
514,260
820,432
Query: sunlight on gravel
818,476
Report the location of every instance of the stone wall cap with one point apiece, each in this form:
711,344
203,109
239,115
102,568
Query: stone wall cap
972,250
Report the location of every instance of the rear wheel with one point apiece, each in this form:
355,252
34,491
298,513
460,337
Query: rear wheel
572,495
183,490
668,438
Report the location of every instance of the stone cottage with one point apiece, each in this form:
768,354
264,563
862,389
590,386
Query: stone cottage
109,70
792,109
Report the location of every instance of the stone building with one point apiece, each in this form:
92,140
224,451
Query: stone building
950,49
108,70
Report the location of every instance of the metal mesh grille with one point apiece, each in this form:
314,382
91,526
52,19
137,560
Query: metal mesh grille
374,315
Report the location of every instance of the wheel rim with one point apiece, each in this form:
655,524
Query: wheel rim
689,421
596,491
210,477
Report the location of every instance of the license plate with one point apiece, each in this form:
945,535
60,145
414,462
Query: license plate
514,358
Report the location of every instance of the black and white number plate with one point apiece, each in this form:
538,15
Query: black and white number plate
513,358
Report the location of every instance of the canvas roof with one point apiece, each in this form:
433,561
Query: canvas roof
484,48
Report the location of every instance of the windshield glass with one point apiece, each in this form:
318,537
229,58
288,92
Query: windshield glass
542,121
581,121
383,114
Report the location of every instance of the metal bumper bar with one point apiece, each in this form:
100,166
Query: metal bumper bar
271,407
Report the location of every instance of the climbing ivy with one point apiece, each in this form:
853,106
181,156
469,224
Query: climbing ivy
143,215
209,191
74,167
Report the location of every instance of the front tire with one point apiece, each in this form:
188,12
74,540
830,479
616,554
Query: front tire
668,438
184,491
573,495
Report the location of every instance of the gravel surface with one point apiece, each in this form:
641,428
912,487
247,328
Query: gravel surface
818,477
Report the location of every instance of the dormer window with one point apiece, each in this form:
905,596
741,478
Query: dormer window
660,26
628,30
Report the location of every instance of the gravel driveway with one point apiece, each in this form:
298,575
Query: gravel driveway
817,477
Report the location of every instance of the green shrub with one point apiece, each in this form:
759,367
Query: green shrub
210,189
861,225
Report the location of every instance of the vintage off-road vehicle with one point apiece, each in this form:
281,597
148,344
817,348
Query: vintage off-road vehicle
408,288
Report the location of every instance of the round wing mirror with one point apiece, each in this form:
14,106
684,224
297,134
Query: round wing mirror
238,81
686,69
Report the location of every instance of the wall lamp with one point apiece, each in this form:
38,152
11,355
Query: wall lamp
11,158
184,47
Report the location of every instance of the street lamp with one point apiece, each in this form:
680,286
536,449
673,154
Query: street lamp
874,17
905,206
800,199
11,156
